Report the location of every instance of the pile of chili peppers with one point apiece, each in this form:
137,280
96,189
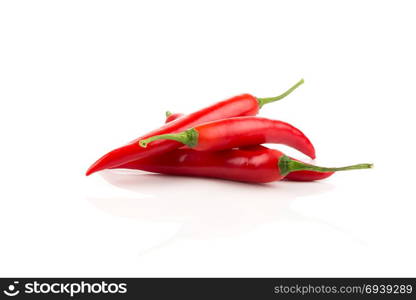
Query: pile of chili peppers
222,141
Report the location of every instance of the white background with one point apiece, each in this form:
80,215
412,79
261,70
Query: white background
79,78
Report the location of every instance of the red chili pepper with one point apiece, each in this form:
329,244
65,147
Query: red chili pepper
239,132
292,176
250,164
243,105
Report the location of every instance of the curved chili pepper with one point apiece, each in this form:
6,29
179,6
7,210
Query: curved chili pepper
292,176
256,164
239,132
243,105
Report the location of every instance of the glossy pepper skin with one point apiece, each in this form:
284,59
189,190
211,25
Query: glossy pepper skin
256,164
292,176
251,164
239,132
242,105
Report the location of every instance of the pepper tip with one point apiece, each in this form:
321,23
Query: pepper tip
89,172
94,168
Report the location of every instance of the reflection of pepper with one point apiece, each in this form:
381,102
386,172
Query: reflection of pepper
250,164
239,132
243,105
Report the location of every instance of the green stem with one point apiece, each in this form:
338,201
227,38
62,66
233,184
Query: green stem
263,101
287,165
188,137
168,113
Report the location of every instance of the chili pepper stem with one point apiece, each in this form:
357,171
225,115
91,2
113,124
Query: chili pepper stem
287,165
263,101
188,137
168,113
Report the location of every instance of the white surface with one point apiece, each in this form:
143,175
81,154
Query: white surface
79,78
